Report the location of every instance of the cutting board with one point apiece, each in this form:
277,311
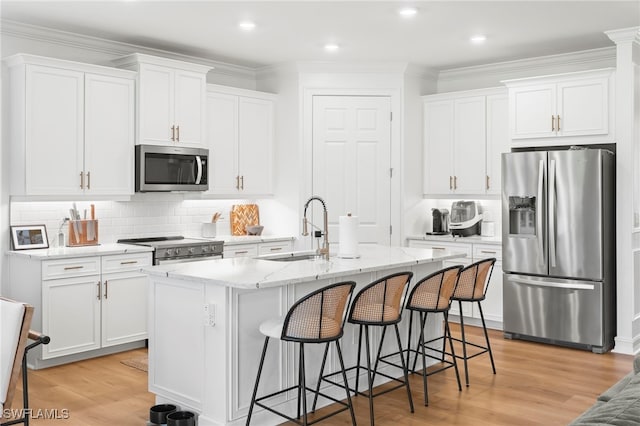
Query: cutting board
243,215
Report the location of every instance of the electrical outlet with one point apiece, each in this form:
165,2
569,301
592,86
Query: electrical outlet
209,315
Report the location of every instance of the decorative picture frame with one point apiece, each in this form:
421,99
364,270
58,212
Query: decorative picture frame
26,237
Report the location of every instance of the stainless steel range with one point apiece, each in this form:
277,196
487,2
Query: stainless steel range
178,249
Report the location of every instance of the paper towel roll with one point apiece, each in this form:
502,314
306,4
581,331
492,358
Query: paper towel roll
348,236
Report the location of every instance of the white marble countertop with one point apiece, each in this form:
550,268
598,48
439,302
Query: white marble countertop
475,239
84,251
245,272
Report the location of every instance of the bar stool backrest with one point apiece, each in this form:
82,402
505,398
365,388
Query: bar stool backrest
380,302
15,320
474,280
318,316
433,293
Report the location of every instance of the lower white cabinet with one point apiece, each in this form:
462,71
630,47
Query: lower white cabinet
492,305
83,304
256,249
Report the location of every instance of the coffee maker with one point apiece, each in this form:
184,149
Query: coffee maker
440,222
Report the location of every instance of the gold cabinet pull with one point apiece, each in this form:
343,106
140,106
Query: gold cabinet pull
553,123
242,252
99,295
488,186
68,268
487,252
242,182
88,180
178,133
238,183
275,248
173,133
106,289
558,122
438,248
129,262
455,182
81,181
450,182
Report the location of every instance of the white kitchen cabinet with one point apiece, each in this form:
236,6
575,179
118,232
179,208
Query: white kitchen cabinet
240,137
87,305
71,128
240,250
257,248
464,138
573,105
124,298
492,304
71,315
171,98
498,141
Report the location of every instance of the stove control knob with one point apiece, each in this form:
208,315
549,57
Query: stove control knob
178,251
212,248
205,249
191,250
168,252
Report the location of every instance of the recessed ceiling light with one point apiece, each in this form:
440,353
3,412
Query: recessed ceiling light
247,25
331,47
478,39
408,12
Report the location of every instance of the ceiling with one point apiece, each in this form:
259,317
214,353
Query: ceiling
437,37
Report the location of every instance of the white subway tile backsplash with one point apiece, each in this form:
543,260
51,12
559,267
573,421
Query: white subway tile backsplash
143,217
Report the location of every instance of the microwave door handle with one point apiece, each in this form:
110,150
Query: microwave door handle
539,209
199,175
552,213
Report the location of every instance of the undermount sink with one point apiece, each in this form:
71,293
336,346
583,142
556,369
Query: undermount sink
290,257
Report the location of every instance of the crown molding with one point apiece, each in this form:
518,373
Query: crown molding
111,47
624,35
594,58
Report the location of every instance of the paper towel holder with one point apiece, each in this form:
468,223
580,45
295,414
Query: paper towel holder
342,254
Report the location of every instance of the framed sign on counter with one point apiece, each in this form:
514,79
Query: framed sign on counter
25,237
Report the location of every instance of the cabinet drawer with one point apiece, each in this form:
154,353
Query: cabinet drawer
125,262
275,247
241,250
484,251
75,267
437,245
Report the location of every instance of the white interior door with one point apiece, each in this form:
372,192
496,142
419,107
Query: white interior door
352,162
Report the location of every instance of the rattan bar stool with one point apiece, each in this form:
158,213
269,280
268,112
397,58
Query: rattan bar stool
432,294
316,318
472,287
378,304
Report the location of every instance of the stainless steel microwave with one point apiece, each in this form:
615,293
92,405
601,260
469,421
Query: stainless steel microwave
168,168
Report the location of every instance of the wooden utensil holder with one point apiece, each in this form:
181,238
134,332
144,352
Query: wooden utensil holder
83,233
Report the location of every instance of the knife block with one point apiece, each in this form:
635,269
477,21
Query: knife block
83,233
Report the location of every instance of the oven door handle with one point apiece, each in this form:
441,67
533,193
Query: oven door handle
199,172
186,259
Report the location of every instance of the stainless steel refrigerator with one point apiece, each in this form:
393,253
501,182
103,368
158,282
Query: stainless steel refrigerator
558,240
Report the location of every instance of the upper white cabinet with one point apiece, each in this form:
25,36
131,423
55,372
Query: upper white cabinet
465,134
576,106
171,99
71,128
240,139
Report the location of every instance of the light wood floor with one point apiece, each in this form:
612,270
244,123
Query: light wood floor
535,384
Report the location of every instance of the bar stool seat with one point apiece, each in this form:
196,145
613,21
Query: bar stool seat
472,287
316,318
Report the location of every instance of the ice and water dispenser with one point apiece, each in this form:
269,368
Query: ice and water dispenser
522,216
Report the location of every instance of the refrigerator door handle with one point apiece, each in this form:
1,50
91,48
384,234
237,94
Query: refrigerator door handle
539,210
539,283
552,213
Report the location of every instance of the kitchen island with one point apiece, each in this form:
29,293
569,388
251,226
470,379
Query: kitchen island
204,343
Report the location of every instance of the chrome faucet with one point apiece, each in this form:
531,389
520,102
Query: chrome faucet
324,251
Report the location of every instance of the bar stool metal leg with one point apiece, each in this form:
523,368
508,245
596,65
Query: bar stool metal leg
453,352
346,387
369,373
486,337
255,387
464,345
404,368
